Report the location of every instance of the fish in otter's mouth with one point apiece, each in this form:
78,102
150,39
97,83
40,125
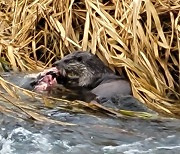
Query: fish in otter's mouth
46,80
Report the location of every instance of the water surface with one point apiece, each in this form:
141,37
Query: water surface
94,134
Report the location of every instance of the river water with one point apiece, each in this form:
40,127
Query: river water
98,134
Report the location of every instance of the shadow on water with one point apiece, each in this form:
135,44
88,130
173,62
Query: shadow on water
92,135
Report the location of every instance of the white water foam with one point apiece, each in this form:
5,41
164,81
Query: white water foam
6,146
148,146
38,141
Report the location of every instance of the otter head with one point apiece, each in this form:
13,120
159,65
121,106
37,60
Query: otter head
81,68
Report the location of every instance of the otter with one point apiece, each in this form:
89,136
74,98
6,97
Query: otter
84,70
87,76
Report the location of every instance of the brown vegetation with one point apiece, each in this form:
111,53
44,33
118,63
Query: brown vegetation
141,36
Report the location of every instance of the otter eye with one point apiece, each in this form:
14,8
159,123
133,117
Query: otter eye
66,61
79,59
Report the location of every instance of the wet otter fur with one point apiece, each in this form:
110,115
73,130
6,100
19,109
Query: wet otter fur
86,73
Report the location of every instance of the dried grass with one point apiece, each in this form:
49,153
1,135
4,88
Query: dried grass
141,36
13,102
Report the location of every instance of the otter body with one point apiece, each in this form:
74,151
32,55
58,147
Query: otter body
88,77
110,89
83,70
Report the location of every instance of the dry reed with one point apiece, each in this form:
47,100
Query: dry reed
141,36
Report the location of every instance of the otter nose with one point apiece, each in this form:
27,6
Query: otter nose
55,64
58,64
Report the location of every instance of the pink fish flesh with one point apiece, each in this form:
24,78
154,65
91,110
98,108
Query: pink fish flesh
47,80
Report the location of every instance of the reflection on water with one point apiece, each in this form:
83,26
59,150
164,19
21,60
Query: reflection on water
92,135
